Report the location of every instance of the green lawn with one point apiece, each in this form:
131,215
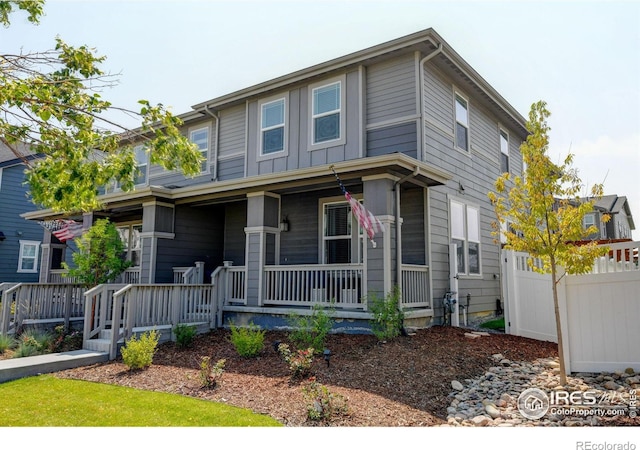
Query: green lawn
495,324
46,401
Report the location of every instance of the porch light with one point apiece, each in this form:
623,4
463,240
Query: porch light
327,355
284,225
2,236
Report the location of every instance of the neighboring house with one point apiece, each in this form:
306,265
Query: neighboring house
20,239
413,132
620,223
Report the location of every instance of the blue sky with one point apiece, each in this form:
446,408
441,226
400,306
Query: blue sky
582,58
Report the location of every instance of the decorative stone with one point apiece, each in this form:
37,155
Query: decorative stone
633,380
611,385
629,371
471,336
480,421
492,411
505,362
455,384
497,356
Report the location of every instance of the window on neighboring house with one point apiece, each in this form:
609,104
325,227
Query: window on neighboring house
272,129
130,235
142,162
28,260
326,111
462,123
504,151
588,220
465,233
341,235
200,137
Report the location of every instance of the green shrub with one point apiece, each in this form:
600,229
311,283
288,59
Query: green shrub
184,335
210,374
311,331
6,343
387,316
322,404
66,340
248,341
25,349
138,353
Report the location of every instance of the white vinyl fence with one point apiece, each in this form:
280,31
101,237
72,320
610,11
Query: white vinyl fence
600,311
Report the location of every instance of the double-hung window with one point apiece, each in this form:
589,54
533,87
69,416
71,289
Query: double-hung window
341,235
462,122
588,220
504,151
326,113
28,259
142,163
272,127
200,137
465,233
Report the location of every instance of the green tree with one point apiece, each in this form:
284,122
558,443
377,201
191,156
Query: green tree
99,258
51,102
541,212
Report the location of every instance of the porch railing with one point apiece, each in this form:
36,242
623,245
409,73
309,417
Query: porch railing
57,276
415,286
7,308
339,285
189,275
41,302
159,305
98,313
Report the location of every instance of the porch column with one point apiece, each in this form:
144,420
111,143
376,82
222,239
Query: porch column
157,223
46,257
262,237
380,262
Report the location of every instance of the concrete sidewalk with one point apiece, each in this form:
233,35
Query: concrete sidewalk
12,369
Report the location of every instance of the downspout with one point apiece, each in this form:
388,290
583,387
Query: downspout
217,135
396,189
423,61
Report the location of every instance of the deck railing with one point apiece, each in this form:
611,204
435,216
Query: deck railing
340,285
7,309
98,312
58,276
415,286
189,275
41,302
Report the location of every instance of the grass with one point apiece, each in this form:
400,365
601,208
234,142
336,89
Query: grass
46,401
495,324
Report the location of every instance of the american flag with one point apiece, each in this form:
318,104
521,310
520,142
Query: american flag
369,223
63,229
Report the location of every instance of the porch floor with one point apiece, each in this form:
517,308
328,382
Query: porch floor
15,368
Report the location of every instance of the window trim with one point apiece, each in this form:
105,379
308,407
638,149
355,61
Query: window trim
146,165
466,206
261,156
23,245
357,241
341,140
207,162
501,132
467,126
130,226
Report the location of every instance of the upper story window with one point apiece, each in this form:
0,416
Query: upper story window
462,122
142,162
28,259
200,137
326,113
588,220
465,233
504,151
272,127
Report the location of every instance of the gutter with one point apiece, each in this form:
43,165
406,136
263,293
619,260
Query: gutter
421,65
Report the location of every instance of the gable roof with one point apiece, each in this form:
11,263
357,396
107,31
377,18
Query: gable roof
426,41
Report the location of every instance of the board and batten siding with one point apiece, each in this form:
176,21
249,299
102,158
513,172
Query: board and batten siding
476,171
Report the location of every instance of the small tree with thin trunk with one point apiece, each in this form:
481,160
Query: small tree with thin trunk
541,213
99,258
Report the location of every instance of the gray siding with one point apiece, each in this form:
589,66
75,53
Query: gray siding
232,131
476,170
199,236
232,168
393,139
234,236
413,226
13,202
391,90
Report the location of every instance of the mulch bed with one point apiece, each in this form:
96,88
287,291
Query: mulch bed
403,382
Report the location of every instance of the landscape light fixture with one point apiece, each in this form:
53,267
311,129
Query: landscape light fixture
327,355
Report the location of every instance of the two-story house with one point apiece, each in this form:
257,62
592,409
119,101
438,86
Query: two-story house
620,222
414,133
